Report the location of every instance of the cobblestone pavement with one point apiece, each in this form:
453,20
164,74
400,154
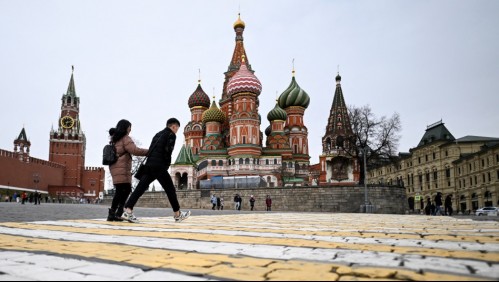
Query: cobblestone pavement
246,246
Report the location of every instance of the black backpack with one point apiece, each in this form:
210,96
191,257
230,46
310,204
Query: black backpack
109,155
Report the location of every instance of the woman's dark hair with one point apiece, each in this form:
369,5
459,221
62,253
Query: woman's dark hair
120,130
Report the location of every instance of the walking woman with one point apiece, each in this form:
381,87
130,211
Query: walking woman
121,170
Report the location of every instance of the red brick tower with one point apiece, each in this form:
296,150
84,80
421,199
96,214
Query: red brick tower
336,165
67,143
21,146
225,102
194,132
294,100
243,89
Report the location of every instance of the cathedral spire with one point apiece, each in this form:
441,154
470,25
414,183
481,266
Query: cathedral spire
239,50
339,121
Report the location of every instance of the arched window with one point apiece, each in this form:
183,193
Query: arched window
297,166
340,141
247,161
213,163
275,161
220,163
267,161
241,161
290,165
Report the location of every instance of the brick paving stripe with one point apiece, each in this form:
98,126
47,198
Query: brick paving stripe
258,246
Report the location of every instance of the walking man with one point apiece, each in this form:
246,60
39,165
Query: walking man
156,168
252,202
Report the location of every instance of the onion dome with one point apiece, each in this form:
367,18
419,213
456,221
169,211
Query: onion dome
199,98
268,130
277,113
338,78
213,114
239,22
294,96
244,81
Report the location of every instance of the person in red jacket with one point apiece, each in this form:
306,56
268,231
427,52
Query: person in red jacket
268,202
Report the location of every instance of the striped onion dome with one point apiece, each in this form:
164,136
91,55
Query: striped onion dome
199,98
244,81
213,114
294,96
277,113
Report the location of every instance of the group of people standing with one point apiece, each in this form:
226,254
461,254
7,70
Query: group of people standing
159,157
435,207
217,202
238,202
24,197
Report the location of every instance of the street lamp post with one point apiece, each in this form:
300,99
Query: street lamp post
36,180
366,202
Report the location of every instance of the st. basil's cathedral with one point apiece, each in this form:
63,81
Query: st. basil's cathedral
224,144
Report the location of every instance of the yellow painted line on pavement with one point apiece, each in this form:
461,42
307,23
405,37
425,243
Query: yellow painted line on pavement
292,242
217,265
491,238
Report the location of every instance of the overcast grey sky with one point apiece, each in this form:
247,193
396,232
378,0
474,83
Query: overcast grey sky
139,60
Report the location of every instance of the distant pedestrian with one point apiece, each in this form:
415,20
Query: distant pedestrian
35,197
24,196
237,202
218,203
252,202
221,203
448,205
428,207
213,202
268,203
438,204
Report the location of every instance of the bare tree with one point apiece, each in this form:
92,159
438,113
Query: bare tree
283,174
136,161
380,135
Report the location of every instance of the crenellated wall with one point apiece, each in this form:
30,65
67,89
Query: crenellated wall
21,175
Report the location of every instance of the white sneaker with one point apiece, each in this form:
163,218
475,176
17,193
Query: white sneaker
182,216
130,217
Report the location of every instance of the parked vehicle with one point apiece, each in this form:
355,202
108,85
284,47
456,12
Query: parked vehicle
486,211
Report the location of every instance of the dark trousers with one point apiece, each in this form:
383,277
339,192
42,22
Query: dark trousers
155,173
122,192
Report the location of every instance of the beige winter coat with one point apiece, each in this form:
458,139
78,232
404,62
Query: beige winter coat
121,170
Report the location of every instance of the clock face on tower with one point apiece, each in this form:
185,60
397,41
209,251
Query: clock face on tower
67,122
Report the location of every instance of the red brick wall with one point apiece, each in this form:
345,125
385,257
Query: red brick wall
16,173
93,180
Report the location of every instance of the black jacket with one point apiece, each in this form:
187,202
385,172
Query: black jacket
438,200
161,148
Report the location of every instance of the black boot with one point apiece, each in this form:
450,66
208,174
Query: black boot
112,215
118,214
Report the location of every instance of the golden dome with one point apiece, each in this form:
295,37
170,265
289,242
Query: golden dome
239,22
